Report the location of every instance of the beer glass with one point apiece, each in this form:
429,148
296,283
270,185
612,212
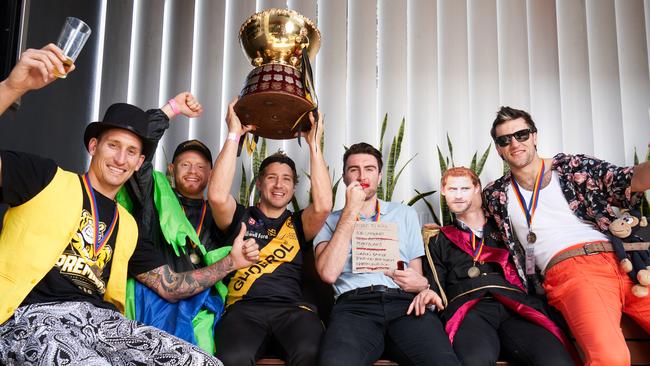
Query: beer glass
73,36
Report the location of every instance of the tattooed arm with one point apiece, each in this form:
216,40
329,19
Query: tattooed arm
173,286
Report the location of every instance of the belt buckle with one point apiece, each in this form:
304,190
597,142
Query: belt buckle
377,288
590,249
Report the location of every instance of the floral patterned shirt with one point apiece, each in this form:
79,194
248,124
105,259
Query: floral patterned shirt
591,187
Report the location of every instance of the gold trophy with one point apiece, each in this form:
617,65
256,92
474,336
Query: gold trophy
278,94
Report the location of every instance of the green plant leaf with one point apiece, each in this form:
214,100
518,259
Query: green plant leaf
636,157
243,194
419,196
398,153
390,170
394,182
429,205
451,150
259,155
441,159
481,163
384,124
380,192
447,217
335,188
472,165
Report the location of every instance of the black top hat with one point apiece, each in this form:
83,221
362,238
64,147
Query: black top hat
124,116
194,145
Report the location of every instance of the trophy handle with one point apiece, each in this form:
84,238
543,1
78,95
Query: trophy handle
302,43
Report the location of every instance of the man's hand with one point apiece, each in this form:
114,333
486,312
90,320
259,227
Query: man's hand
354,197
187,105
425,298
315,134
408,280
233,122
35,69
244,252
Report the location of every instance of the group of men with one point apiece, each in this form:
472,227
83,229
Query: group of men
468,296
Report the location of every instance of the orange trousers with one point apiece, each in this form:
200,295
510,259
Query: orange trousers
592,293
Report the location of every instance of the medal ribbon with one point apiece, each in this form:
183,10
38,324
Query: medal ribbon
98,244
199,226
529,210
377,216
476,249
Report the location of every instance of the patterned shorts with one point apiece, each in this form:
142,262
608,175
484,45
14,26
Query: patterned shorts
78,333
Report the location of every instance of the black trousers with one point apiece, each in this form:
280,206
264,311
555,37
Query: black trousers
363,326
489,328
246,329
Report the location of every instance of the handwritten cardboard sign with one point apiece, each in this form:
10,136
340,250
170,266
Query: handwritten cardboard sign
375,247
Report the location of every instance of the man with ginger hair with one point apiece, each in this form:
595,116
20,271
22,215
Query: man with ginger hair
487,312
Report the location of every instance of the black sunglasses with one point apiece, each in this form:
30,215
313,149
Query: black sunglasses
521,136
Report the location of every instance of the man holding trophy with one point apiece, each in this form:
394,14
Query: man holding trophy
264,300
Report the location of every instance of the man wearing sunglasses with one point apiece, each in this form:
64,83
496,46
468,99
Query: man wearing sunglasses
554,214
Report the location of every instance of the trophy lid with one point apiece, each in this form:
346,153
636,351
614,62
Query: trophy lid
278,36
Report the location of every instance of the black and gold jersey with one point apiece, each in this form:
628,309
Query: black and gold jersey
277,274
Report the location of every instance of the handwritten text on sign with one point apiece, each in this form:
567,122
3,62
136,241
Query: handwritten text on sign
375,247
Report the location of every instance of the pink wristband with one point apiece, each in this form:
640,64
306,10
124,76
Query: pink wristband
174,106
233,136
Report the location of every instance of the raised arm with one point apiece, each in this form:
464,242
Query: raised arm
314,216
173,286
34,70
140,185
184,103
222,203
331,255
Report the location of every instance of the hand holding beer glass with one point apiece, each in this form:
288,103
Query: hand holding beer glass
73,36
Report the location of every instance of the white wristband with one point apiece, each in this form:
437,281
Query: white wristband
233,136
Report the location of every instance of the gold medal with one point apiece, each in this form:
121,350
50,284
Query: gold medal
473,272
531,237
195,258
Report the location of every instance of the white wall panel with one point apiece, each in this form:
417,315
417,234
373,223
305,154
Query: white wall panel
331,77
512,27
146,58
176,67
483,56
635,82
581,68
453,79
362,73
422,95
235,68
605,84
117,46
207,75
391,83
544,75
300,155
577,130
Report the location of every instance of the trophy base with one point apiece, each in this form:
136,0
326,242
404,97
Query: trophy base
273,100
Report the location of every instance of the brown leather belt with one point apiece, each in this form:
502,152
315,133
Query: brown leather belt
593,248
